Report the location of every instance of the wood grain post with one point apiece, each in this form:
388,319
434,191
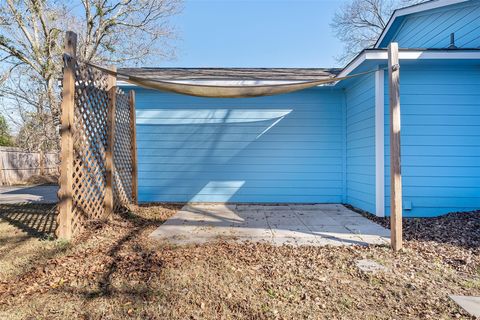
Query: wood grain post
65,198
41,162
109,154
3,178
395,157
134,148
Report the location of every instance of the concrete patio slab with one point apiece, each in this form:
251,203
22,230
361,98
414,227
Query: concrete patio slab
368,229
317,206
316,225
352,221
316,218
470,304
284,220
292,232
29,194
248,207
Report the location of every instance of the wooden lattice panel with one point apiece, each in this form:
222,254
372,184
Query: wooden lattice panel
90,140
123,159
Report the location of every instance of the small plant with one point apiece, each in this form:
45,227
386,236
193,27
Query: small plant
346,302
271,293
472,283
62,245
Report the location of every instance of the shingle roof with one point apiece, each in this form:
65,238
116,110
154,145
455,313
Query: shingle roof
231,73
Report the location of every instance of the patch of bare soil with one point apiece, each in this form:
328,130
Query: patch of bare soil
45,179
114,271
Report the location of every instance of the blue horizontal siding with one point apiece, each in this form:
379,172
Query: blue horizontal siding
273,198
279,183
286,148
440,140
316,145
360,143
432,28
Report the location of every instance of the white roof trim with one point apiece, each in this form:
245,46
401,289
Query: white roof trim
414,9
379,54
379,143
382,54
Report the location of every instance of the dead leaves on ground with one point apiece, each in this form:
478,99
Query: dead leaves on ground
115,271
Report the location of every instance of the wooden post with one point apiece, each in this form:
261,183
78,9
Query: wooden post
3,178
134,148
395,166
109,156
65,201
41,162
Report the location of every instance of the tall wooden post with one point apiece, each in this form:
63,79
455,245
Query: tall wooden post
109,156
41,162
395,167
133,148
65,200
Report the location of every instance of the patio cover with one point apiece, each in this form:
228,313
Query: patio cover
222,90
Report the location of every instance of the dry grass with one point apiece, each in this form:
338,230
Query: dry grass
114,271
21,227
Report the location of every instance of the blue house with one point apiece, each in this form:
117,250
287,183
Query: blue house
328,144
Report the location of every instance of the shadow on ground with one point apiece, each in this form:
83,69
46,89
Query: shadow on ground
38,220
127,252
29,194
114,270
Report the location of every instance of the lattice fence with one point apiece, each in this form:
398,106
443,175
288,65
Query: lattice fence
90,133
84,183
122,151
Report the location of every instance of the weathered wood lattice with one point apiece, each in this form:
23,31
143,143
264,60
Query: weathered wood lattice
123,167
97,135
89,142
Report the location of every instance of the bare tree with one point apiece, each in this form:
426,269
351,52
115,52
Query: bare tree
359,23
126,31
31,45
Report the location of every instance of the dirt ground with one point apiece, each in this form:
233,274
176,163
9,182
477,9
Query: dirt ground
114,271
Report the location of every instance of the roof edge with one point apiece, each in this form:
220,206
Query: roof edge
232,74
410,54
433,4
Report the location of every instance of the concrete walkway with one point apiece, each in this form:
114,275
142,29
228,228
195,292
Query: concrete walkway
29,194
317,224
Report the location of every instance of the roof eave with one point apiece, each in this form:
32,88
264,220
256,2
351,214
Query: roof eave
411,54
399,13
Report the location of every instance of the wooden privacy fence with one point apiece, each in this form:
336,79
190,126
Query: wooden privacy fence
19,166
98,161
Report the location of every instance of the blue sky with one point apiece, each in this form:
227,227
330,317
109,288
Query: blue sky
255,33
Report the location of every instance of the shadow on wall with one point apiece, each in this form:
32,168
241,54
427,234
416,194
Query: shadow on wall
285,148
21,166
196,155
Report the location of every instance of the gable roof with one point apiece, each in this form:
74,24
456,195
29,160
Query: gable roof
399,14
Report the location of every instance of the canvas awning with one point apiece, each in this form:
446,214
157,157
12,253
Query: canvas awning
222,90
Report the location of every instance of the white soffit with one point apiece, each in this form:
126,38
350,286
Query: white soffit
382,54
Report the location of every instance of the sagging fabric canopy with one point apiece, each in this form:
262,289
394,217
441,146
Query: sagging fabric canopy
223,91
